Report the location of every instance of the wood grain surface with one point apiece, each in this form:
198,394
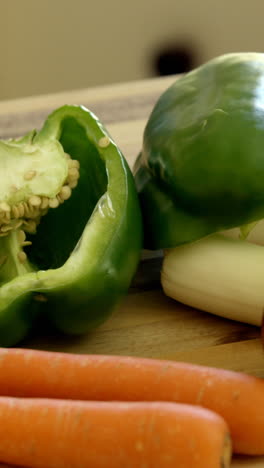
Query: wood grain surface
146,322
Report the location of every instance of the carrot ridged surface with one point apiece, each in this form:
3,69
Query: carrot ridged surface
237,397
46,433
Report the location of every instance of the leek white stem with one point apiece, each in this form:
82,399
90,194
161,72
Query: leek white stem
217,274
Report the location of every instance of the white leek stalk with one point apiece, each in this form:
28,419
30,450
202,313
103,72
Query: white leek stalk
218,274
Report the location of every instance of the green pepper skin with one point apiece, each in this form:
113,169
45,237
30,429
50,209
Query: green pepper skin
85,252
201,168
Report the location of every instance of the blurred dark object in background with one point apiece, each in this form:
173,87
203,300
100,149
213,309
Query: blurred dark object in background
173,60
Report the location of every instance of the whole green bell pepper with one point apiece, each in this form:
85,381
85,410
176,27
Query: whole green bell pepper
201,169
70,191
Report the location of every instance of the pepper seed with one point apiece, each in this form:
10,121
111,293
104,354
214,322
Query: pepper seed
5,207
44,203
21,236
22,256
29,175
21,210
25,243
54,203
15,211
73,173
73,183
73,163
34,200
17,223
30,226
65,192
6,228
104,142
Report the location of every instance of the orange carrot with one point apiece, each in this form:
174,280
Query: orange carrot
46,433
10,466
237,397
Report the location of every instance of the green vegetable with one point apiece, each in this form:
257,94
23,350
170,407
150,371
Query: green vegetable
201,172
201,169
70,226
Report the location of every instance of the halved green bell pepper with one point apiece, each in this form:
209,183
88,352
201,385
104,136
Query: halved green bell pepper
201,169
70,226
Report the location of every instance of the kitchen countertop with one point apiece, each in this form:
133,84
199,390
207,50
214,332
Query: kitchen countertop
146,323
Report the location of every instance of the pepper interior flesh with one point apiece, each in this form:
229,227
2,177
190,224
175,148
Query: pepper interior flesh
34,179
69,265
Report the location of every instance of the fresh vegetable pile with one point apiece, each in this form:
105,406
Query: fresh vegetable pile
70,242
70,226
93,411
200,174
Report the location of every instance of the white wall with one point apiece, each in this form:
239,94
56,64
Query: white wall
63,44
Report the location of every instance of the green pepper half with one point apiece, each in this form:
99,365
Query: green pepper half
70,226
201,169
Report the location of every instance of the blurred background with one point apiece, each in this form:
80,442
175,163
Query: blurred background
55,45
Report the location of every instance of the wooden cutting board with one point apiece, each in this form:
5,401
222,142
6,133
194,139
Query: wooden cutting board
146,323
